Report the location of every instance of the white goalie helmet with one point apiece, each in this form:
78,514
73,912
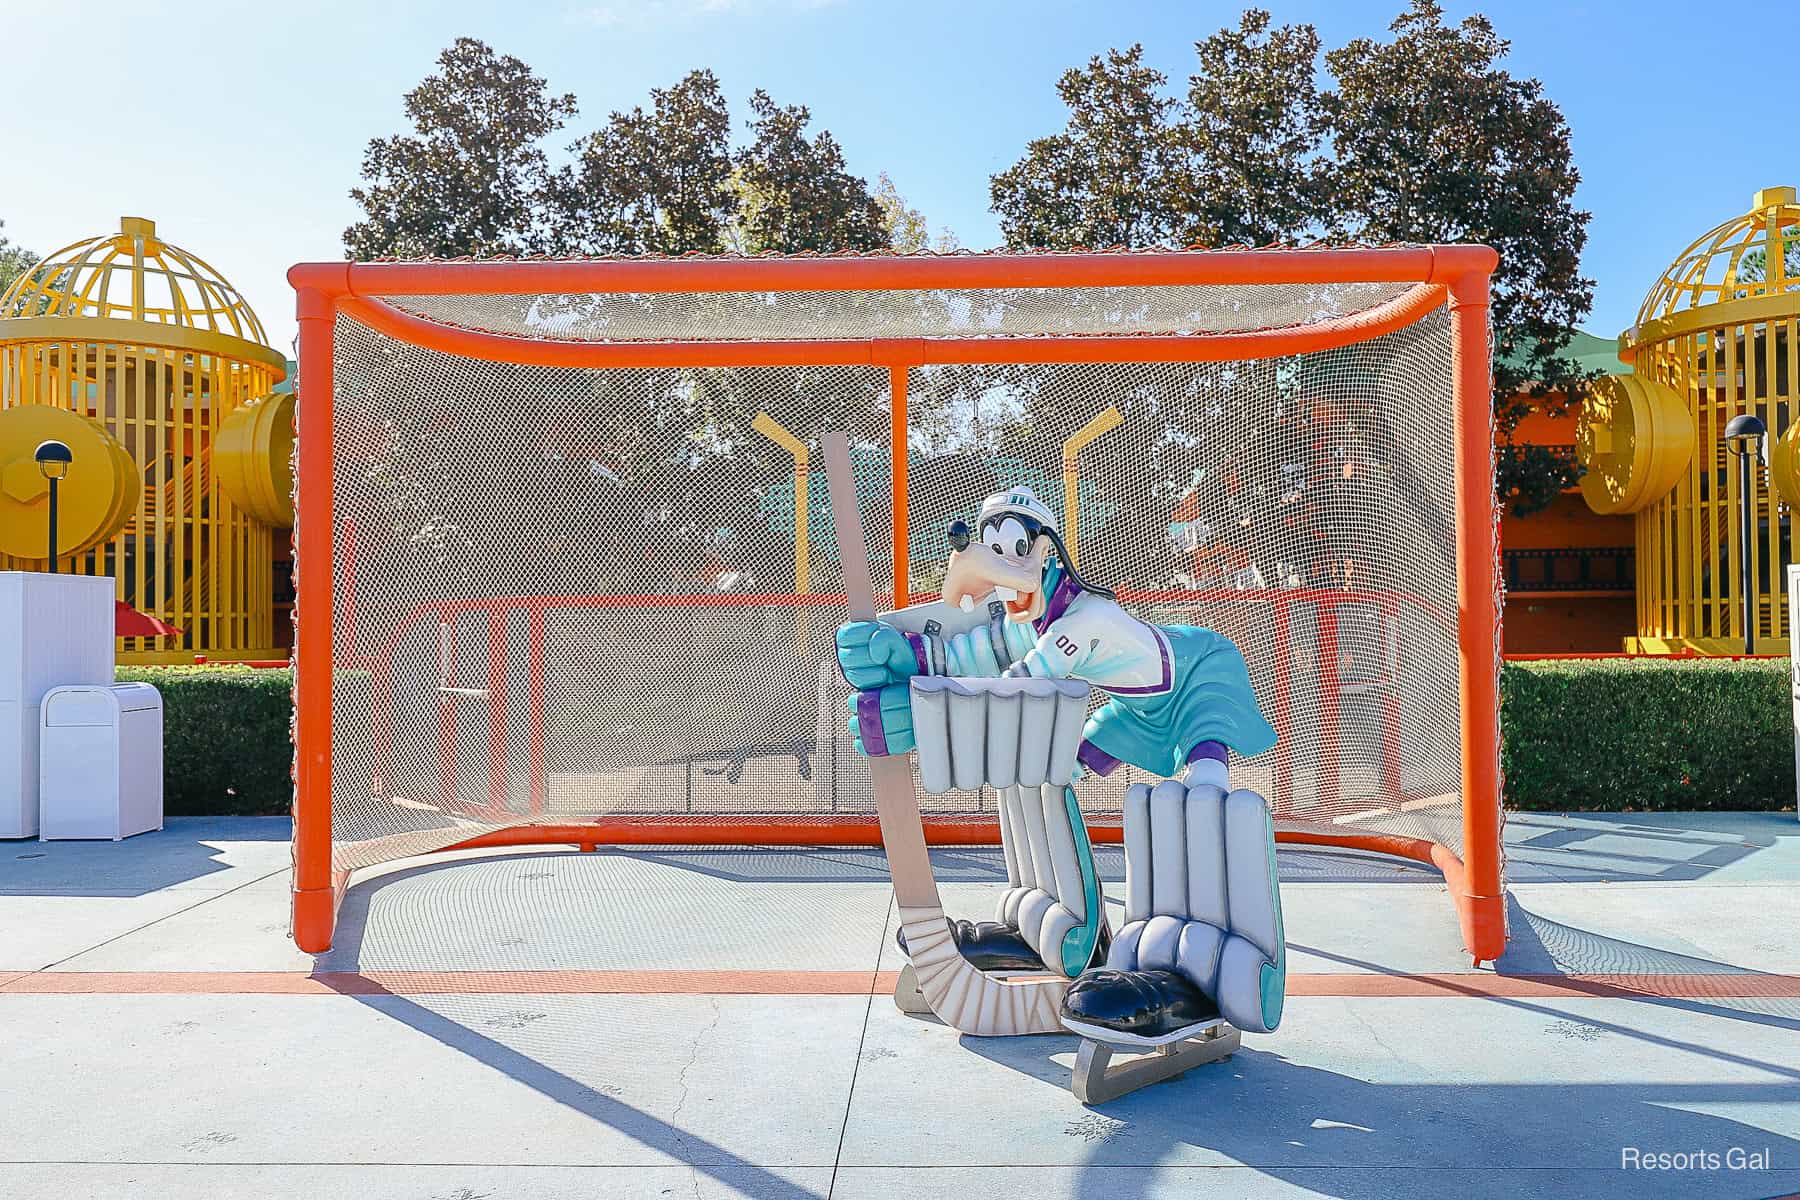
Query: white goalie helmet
1020,500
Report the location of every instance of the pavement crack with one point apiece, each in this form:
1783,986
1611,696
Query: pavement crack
1375,1034
699,1040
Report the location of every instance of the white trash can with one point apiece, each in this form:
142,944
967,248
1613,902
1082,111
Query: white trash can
100,754
54,630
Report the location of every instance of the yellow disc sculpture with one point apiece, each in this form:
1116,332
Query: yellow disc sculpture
1784,466
255,454
1717,336
1635,438
92,505
141,357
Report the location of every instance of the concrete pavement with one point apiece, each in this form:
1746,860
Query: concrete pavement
713,1023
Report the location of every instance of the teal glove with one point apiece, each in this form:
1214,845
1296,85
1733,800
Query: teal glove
881,720
873,655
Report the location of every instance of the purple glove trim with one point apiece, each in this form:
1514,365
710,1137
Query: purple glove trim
1095,760
918,648
1212,750
868,720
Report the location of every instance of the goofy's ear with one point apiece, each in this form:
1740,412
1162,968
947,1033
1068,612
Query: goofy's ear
959,535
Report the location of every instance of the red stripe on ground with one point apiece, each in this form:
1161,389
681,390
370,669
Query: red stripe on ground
1716,985
1734,985
481,983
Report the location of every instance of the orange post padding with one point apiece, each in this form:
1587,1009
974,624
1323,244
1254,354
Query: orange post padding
1481,903
315,896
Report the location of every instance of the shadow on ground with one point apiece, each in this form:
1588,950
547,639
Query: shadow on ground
1305,1125
186,850
1645,847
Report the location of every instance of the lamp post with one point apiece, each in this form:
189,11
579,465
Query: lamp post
53,460
1744,435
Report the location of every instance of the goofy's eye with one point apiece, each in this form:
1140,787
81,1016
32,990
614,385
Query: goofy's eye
1009,537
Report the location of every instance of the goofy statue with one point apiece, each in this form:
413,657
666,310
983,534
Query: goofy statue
1202,939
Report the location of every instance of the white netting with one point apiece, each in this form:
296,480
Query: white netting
1295,505
566,594
965,312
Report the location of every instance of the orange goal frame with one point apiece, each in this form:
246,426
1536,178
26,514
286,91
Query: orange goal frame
1457,276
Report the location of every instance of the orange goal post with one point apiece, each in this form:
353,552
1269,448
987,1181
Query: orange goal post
565,573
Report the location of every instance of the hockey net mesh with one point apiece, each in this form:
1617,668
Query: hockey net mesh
960,312
569,594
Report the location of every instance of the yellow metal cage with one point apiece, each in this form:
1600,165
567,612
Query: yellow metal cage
1717,336
158,364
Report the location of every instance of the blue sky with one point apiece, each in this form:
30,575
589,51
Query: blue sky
240,127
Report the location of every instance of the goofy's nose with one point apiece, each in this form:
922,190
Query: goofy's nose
959,535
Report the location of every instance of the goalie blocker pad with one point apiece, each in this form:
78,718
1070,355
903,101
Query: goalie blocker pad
1202,898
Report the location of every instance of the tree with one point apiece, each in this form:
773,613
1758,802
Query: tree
15,260
1754,266
1249,134
908,230
1424,138
662,462
1436,142
1105,180
657,182
471,179
1233,162
793,192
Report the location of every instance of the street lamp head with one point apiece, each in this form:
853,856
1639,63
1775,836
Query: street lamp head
53,459
1744,433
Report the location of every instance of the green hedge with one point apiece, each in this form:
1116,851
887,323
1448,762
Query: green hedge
1595,735
1616,735
226,749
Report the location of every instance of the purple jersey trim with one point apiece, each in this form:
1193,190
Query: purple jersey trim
868,720
1060,599
1168,672
1094,759
918,648
1213,750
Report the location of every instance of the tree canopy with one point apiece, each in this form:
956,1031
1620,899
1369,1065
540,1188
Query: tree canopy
1423,136
656,182
1417,135
908,230
794,193
474,178
1108,179
1436,142
1231,162
15,260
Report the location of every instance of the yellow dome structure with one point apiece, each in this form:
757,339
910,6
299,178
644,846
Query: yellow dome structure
148,356
1716,337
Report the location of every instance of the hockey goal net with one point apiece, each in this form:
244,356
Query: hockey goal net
565,568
